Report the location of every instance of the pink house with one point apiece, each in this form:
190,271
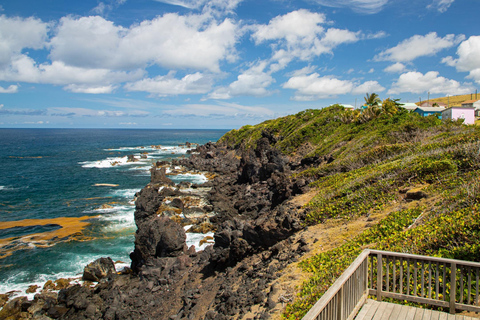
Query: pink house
465,113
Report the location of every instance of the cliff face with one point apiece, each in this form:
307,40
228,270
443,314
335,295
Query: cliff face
231,279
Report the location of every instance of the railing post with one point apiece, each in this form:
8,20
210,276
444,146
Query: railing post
379,277
340,304
453,286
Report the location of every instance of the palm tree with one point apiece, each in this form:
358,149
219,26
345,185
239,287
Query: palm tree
372,99
390,106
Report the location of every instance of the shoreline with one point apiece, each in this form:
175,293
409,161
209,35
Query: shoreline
252,224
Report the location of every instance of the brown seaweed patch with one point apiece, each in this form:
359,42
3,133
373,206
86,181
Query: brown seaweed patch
71,228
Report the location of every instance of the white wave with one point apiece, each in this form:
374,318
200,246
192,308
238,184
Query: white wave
125,193
2,187
107,163
18,287
190,177
195,238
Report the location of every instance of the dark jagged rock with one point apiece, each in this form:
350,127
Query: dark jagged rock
98,269
157,237
253,243
158,176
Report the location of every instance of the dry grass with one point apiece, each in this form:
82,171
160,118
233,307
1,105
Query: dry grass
453,100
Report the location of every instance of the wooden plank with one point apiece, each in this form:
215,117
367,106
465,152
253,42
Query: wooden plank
410,313
443,316
363,311
388,310
427,314
453,286
435,315
426,258
395,312
380,311
450,317
419,314
373,309
379,277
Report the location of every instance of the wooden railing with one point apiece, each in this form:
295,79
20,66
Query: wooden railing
452,284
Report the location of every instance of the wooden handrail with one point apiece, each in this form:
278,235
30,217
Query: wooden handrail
400,276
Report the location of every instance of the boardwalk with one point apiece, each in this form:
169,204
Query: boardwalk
373,310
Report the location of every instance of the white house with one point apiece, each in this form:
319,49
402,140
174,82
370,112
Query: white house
410,106
473,104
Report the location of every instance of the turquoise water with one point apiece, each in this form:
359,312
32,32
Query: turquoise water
51,173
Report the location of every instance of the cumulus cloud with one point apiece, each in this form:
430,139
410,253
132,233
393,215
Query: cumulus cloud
416,82
419,46
440,5
361,6
368,86
168,85
314,87
168,41
253,82
395,68
11,89
300,34
77,79
17,34
468,58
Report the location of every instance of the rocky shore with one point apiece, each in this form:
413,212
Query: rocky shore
248,206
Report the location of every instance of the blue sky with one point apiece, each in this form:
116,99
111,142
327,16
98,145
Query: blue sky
225,63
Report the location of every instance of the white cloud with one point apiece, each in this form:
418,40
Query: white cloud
313,87
418,46
395,68
90,89
25,69
212,6
252,82
362,6
17,34
11,89
440,5
222,110
300,34
416,82
168,85
85,112
368,86
168,41
468,58
372,70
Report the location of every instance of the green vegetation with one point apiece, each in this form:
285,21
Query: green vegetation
377,156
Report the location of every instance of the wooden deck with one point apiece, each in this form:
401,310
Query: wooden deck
374,310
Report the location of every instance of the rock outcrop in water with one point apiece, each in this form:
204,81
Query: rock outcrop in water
233,279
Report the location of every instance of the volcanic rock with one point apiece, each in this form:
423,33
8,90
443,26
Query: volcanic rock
98,269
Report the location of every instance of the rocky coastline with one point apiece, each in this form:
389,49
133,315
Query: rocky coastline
247,204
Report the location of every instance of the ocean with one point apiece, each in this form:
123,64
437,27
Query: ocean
67,196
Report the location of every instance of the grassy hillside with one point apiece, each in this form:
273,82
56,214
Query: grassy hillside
454,100
376,159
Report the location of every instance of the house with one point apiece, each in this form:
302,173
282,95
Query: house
473,103
433,104
348,106
427,111
409,106
465,113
